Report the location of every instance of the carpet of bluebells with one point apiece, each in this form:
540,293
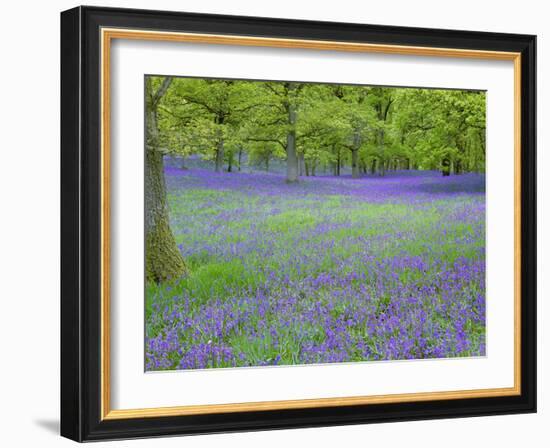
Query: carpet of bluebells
329,270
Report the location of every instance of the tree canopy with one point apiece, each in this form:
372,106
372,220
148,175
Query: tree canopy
322,127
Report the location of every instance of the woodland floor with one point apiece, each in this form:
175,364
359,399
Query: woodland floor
329,270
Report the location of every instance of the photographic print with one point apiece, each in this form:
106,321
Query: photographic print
292,223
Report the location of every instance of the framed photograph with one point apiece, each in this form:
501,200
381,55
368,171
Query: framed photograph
274,223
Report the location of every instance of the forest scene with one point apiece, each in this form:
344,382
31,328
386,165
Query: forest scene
296,223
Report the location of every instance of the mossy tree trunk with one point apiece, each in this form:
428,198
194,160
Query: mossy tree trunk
163,260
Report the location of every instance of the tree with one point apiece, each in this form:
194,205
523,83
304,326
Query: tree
442,129
337,117
214,110
381,99
316,126
163,259
276,122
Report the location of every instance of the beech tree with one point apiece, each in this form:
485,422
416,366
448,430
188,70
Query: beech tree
163,259
310,127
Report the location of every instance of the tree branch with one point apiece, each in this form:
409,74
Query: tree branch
156,97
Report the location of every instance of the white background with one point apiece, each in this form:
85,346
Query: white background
29,234
132,388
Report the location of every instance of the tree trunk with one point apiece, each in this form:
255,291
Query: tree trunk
267,164
219,156
446,167
382,167
230,162
354,163
291,156
240,156
301,164
163,260
306,166
457,167
354,156
291,159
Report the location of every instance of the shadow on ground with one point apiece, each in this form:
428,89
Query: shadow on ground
49,425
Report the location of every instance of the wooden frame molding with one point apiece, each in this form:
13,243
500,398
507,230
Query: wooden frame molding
87,36
107,36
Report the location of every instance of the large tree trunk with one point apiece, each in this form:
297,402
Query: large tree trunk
163,260
291,159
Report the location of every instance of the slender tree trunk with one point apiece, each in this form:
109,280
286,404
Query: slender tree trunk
291,156
382,167
355,156
267,164
219,156
302,164
240,156
446,167
163,260
334,164
306,167
457,167
230,162
354,165
373,166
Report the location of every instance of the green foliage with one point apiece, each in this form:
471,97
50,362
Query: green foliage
372,129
